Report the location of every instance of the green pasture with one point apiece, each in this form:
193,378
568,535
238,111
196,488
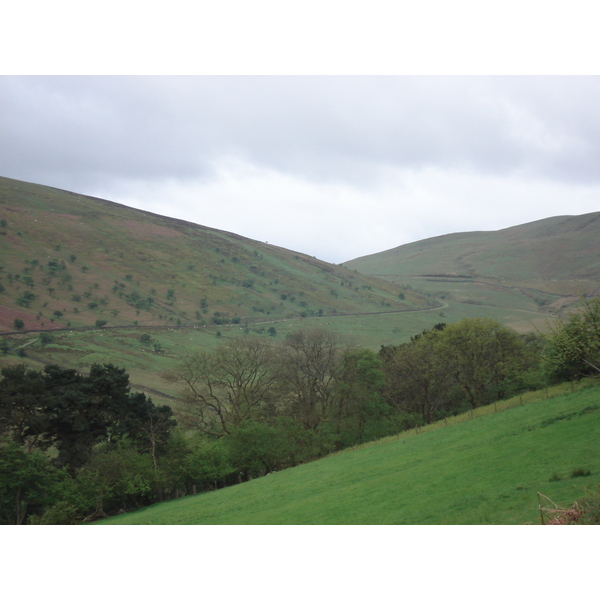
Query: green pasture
485,468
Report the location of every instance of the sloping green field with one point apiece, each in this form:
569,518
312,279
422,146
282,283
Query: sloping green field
487,470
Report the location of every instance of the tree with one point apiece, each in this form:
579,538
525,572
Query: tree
256,449
18,324
360,408
417,379
73,412
45,338
25,480
145,339
308,362
207,463
574,344
226,387
22,400
483,357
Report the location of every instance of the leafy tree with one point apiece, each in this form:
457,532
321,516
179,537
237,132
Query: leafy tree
26,298
25,480
574,345
22,399
207,463
45,338
145,339
18,324
361,408
484,358
257,449
417,379
122,478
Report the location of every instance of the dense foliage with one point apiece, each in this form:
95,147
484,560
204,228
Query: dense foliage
76,447
574,343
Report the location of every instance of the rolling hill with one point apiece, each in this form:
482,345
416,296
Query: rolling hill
521,273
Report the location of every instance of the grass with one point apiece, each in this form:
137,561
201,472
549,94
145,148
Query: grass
485,470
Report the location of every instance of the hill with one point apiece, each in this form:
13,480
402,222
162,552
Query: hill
518,274
487,470
98,275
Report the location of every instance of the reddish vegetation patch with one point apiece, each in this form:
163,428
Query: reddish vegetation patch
148,231
8,316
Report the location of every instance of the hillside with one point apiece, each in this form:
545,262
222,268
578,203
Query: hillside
93,259
539,267
487,470
70,263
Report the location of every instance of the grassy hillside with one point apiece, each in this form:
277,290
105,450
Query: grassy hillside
522,273
127,266
68,262
487,470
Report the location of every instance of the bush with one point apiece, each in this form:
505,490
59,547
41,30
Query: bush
580,473
26,299
100,323
45,338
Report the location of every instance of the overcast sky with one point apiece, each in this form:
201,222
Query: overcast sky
333,166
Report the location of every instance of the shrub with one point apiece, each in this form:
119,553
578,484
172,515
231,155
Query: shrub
580,473
26,299
145,338
45,338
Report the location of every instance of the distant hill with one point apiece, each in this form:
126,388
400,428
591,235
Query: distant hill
68,260
541,266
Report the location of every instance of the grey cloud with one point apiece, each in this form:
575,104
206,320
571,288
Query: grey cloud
67,131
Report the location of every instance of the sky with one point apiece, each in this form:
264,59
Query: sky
333,161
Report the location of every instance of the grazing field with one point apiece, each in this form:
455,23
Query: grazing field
484,470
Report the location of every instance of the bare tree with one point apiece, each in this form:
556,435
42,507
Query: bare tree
224,388
308,362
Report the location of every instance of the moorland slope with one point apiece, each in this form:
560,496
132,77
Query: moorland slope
91,259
